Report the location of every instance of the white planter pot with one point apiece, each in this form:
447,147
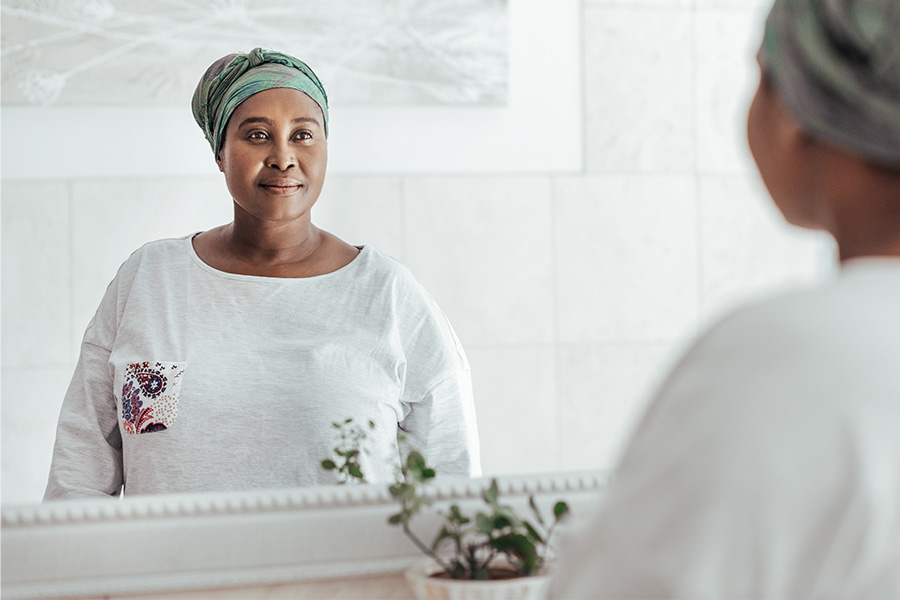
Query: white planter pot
425,587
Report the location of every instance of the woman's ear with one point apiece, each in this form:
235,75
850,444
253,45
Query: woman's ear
799,139
787,126
220,163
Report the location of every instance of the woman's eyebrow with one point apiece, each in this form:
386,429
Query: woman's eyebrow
267,121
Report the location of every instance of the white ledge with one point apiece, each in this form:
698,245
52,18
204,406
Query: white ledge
193,541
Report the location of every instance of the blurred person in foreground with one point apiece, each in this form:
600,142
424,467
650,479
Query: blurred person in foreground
768,465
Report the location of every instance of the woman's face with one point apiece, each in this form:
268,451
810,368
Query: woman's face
274,155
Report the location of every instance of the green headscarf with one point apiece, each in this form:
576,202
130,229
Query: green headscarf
234,78
836,64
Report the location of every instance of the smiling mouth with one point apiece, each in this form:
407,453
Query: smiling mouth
282,189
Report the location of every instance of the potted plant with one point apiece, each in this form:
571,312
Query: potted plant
496,554
348,451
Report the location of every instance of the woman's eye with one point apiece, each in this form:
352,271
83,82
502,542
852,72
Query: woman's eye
303,135
257,135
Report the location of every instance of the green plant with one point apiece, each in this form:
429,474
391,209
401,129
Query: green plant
348,452
474,545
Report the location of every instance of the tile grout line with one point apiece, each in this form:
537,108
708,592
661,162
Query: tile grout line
70,207
582,74
557,354
698,220
401,195
554,235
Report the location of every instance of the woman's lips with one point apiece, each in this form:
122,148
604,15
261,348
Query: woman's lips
281,188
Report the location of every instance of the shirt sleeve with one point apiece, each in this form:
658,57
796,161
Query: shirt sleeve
442,425
437,399
87,455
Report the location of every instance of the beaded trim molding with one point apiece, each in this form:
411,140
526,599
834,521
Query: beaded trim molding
202,504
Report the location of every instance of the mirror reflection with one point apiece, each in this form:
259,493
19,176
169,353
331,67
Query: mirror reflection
568,288
265,331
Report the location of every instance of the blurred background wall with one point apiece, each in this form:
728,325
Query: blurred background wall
571,289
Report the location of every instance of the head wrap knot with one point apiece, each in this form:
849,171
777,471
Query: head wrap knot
836,64
234,78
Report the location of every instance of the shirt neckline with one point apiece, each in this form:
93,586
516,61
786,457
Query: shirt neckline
189,241
864,264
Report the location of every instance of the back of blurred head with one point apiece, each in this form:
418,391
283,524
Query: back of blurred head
836,65
824,127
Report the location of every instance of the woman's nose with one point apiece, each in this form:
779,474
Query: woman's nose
282,157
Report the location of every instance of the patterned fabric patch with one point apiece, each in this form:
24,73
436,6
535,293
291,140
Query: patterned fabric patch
150,396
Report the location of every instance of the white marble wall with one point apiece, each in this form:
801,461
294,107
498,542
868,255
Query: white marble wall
571,293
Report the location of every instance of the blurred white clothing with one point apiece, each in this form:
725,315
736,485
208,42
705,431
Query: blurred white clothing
769,463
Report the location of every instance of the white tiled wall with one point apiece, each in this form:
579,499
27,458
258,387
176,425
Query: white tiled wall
639,95
571,293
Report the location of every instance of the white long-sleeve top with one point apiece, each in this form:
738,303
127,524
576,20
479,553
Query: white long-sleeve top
768,466
193,379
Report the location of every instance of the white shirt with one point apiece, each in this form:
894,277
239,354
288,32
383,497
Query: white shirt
234,381
769,463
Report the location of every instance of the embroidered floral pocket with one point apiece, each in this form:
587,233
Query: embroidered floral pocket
150,396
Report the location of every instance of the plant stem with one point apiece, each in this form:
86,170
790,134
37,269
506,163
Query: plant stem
543,555
425,549
491,555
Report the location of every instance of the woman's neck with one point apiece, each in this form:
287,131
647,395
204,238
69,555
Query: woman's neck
271,245
862,202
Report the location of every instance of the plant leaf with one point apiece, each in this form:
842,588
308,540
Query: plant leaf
456,515
415,461
535,510
442,535
490,495
328,464
521,547
560,510
501,522
483,524
457,570
482,573
532,532
509,515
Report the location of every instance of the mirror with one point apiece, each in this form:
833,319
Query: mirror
577,236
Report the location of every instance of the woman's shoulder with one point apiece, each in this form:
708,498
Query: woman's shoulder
165,252
161,247
857,302
377,260
386,269
799,348
395,283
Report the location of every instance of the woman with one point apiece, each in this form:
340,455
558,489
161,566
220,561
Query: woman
768,466
220,361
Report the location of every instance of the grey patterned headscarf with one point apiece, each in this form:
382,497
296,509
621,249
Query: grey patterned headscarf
836,64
